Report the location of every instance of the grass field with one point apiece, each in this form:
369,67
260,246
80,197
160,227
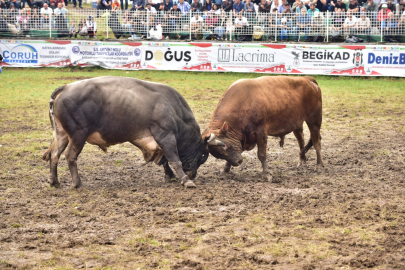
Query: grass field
350,215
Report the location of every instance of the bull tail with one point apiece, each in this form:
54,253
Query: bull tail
47,155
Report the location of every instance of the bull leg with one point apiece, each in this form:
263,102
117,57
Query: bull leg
62,142
316,140
226,168
281,142
167,141
168,172
75,147
299,134
261,154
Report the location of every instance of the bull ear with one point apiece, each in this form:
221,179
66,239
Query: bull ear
224,128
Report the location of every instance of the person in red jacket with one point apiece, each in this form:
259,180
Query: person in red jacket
383,13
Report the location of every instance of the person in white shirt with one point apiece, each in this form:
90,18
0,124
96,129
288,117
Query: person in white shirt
46,16
350,24
195,19
363,25
150,9
241,26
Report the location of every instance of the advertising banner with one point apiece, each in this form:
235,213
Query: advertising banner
350,60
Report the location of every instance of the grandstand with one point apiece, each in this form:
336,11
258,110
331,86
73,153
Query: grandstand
265,22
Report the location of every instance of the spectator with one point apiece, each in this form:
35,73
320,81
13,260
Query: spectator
197,29
337,24
3,5
216,10
350,24
35,19
24,22
274,26
312,9
124,5
82,27
317,26
363,25
250,7
196,18
26,1
298,8
227,6
241,27
138,5
401,23
102,5
38,3
168,5
390,28
185,7
60,10
354,6
284,29
335,4
238,7
264,7
390,5
91,27
15,3
54,3
284,8
166,25
150,9
127,21
12,14
322,5
196,6
175,16
383,13
400,6
211,22
75,4
46,16
370,6
207,5
73,29
275,5
303,24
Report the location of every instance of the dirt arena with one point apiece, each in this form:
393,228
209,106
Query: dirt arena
350,215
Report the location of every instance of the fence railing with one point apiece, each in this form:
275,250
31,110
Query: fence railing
213,25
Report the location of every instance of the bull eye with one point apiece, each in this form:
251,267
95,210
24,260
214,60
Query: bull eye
225,147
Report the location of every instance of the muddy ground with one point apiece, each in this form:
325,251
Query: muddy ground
349,216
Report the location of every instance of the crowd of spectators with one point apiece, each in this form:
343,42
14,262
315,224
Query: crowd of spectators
216,19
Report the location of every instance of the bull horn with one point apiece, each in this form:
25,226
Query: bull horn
213,141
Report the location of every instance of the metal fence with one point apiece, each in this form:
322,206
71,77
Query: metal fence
214,25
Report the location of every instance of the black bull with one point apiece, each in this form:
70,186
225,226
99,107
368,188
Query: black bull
110,110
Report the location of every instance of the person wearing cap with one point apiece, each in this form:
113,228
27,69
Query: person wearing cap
363,25
383,13
317,26
350,24
91,27
390,28
303,24
312,9
337,4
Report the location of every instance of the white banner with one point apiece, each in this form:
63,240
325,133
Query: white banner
362,60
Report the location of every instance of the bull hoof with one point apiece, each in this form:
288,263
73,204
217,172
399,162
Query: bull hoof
301,164
77,186
267,177
189,184
55,184
319,167
224,171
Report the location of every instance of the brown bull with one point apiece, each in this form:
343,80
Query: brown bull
252,109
